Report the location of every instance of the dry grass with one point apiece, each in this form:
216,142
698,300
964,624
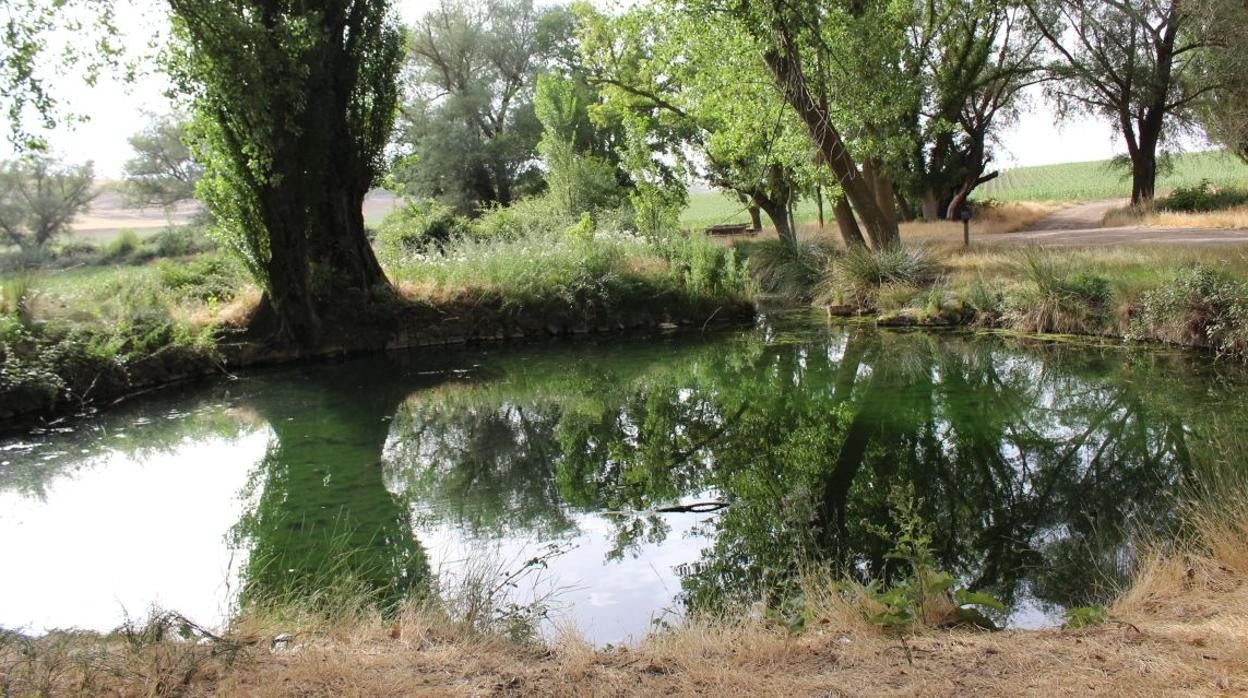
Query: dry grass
1004,218
1234,218
1001,219
1180,629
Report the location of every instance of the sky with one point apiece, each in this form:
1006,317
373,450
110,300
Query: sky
115,111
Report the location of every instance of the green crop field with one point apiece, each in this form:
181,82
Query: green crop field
1074,181
1085,181
707,208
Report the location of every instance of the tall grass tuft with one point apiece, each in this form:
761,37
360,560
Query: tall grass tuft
16,294
788,270
1054,300
859,273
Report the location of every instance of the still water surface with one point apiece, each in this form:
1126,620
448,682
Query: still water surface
1028,461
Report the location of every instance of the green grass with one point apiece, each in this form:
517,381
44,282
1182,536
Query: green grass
707,208
1085,181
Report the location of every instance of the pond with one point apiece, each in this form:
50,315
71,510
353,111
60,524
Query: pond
1029,462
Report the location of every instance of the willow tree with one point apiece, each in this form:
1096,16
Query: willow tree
294,102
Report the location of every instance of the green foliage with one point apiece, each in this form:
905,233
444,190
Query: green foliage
468,136
120,248
577,182
925,590
40,198
582,230
528,217
162,172
704,268
784,269
1199,307
858,274
1203,196
292,108
1085,617
209,278
565,262
16,292
417,228
180,241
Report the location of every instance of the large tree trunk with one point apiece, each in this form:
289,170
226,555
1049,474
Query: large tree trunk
1144,171
756,217
846,223
931,205
779,216
881,226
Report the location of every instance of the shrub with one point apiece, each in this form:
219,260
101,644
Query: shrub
983,300
894,264
417,228
121,247
76,249
179,242
533,216
704,268
15,295
1203,197
1199,307
856,275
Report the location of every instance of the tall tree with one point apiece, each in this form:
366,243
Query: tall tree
577,179
162,172
838,65
973,60
1134,61
40,198
706,100
294,104
468,130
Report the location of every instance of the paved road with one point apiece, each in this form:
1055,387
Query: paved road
1080,226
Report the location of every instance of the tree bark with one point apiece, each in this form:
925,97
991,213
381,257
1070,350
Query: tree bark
1144,164
756,216
846,223
779,216
931,205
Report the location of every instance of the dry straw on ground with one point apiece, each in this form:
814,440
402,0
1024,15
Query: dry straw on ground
1228,219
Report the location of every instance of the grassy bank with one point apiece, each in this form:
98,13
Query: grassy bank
1178,628
89,332
1187,297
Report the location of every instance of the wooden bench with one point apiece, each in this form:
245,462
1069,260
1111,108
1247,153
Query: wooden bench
731,229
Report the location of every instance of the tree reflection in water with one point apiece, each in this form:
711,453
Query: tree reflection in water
1030,461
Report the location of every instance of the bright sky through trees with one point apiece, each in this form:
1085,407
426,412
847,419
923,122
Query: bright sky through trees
115,111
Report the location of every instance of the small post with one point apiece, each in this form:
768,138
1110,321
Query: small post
965,215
